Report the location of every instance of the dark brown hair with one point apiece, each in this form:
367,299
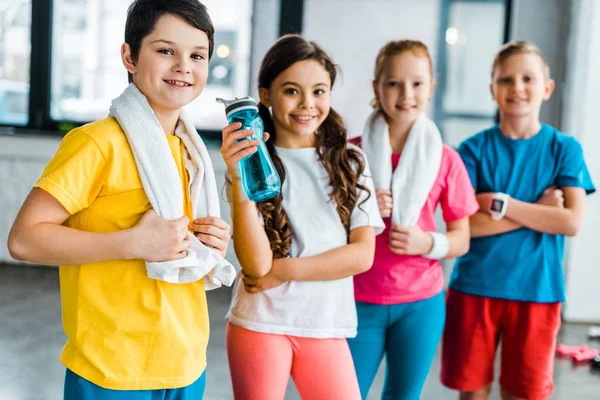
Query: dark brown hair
394,48
344,165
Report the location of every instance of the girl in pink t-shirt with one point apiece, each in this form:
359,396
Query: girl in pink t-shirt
400,300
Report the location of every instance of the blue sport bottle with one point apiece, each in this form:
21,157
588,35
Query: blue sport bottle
260,180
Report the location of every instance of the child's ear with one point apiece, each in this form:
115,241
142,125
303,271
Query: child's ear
375,89
265,98
432,90
127,58
549,89
492,91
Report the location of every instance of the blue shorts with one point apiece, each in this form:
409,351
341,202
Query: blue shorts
78,388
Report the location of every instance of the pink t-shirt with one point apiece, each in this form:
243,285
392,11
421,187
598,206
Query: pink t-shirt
395,279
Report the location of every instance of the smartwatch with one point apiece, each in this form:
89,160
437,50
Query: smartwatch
498,206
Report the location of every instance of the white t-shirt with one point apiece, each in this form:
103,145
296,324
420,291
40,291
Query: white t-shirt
316,309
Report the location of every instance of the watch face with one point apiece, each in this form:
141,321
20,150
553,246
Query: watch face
497,205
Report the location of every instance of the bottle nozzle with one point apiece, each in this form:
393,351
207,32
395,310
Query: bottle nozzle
224,102
237,104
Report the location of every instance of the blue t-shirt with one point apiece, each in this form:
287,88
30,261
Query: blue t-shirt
524,264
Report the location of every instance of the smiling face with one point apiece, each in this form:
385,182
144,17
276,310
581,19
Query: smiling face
172,66
404,87
520,85
300,98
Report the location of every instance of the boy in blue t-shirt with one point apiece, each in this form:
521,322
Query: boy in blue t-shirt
531,181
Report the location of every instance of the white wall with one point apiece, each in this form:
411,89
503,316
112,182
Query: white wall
546,24
582,102
265,31
346,30
22,160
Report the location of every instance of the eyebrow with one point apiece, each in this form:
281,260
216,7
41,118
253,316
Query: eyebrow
170,43
510,75
295,84
393,78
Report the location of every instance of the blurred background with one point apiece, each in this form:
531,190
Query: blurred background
60,67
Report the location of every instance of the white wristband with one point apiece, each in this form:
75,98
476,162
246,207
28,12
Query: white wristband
440,246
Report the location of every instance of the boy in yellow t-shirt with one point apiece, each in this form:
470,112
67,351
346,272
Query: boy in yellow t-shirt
128,336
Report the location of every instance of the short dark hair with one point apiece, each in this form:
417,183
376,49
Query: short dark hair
142,16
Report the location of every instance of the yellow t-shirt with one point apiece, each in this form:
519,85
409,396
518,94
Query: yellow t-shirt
124,330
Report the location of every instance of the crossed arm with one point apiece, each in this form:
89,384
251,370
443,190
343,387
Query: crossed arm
262,272
558,212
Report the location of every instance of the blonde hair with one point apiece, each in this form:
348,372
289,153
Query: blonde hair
394,48
519,47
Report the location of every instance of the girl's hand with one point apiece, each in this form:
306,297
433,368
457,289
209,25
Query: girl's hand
213,232
274,278
233,152
409,241
384,201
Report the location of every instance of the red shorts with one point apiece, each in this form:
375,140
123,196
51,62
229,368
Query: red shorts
475,325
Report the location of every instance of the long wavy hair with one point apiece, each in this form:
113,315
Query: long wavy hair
344,165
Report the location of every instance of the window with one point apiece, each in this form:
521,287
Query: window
473,37
475,31
87,72
15,51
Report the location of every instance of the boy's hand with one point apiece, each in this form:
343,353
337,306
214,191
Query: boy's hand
157,239
552,197
233,152
485,201
213,232
409,241
384,202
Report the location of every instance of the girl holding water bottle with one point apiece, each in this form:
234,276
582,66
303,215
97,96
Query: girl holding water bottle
293,302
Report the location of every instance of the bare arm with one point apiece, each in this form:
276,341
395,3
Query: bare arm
348,260
38,236
548,219
338,263
457,233
414,241
482,225
250,240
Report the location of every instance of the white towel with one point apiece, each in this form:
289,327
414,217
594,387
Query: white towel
162,184
417,169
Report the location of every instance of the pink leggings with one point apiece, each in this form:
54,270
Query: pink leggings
261,364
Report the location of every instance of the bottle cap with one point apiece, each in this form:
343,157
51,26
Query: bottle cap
244,103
